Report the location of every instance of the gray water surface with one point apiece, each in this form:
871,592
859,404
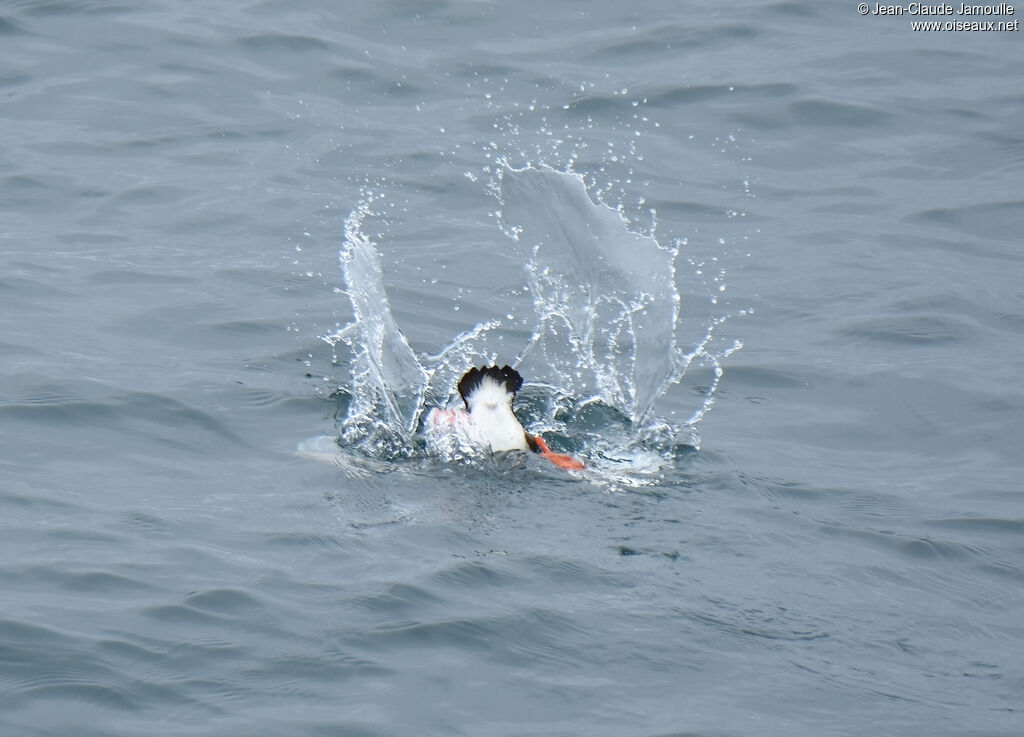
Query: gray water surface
843,554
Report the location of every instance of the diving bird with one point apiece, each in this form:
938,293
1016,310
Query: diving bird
488,420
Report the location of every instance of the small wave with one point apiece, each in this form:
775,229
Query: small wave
284,42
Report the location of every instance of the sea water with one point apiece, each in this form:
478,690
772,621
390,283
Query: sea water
759,266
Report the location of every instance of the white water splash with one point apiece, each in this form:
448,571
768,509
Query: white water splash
603,350
605,297
388,380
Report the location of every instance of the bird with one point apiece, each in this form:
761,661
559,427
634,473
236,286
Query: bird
488,420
